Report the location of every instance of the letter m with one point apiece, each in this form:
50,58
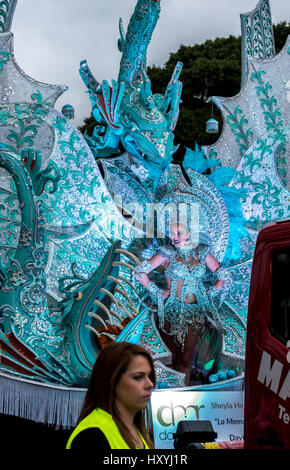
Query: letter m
270,376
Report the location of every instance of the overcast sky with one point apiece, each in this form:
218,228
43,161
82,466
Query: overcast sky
53,36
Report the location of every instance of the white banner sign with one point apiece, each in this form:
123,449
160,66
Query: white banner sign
225,410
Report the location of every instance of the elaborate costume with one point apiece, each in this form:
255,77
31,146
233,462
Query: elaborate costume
186,307
187,270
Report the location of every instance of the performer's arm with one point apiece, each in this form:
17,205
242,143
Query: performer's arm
214,266
148,266
222,275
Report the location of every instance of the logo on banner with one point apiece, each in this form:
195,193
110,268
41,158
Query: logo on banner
171,420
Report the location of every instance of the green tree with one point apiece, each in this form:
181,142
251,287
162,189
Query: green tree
212,68
281,32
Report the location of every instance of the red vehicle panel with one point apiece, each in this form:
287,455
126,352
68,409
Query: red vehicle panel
267,371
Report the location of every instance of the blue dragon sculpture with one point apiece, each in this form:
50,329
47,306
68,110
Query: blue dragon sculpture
128,112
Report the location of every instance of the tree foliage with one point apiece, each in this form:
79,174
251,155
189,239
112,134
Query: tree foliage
212,68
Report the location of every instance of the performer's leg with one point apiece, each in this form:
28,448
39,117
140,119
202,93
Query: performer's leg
183,358
169,342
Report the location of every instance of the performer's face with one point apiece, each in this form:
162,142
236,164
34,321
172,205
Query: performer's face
179,235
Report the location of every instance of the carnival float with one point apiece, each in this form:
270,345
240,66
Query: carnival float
80,221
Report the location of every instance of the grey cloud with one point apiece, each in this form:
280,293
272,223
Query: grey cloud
52,37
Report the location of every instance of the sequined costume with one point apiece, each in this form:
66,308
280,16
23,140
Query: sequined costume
189,302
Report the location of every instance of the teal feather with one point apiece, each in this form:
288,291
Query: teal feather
196,160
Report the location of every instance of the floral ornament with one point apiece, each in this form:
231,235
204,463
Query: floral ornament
19,320
15,276
266,194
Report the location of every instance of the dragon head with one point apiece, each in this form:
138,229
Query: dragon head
92,309
147,121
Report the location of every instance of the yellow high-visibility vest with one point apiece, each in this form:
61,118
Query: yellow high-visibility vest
99,418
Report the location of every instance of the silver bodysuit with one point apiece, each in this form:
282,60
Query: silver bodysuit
186,270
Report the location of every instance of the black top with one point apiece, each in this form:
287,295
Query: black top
91,439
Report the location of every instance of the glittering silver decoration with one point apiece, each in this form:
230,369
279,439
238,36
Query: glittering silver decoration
177,312
257,35
172,379
17,87
7,8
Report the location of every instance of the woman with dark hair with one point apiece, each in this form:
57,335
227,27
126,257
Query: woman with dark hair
112,416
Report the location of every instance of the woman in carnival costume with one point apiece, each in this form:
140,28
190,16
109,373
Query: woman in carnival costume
112,415
186,306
